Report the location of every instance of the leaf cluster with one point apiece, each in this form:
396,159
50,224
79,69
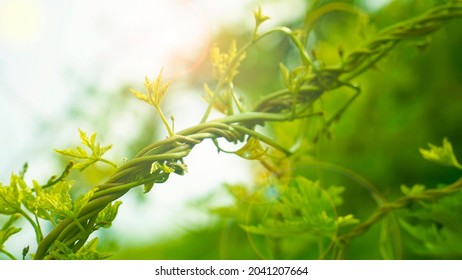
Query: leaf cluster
51,203
82,157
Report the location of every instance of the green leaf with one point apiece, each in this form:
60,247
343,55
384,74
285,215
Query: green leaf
8,230
252,149
157,167
139,95
89,251
60,251
345,221
335,194
12,196
82,157
148,187
56,200
11,220
32,203
443,155
7,233
155,91
81,201
259,17
107,216
305,208
226,64
435,227
415,190
293,80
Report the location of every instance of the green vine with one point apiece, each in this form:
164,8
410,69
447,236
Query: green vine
74,220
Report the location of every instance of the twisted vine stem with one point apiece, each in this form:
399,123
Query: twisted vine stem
283,105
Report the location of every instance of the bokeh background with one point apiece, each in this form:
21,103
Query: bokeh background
68,64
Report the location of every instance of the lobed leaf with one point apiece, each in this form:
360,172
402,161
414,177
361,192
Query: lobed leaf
435,228
56,200
443,155
12,196
60,251
225,65
82,157
155,90
416,190
303,209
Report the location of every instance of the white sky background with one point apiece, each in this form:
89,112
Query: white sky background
109,44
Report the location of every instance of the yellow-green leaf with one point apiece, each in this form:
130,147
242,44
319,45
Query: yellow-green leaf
252,149
443,155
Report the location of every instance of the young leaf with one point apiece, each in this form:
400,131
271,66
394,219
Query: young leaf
148,187
107,216
155,90
81,156
56,200
259,19
252,149
60,251
415,190
443,155
225,65
8,230
346,221
12,196
303,209
335,194
80,202
6,233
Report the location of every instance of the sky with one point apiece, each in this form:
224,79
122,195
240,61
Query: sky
49,51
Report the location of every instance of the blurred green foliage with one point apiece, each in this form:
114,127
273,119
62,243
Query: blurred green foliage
412,97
